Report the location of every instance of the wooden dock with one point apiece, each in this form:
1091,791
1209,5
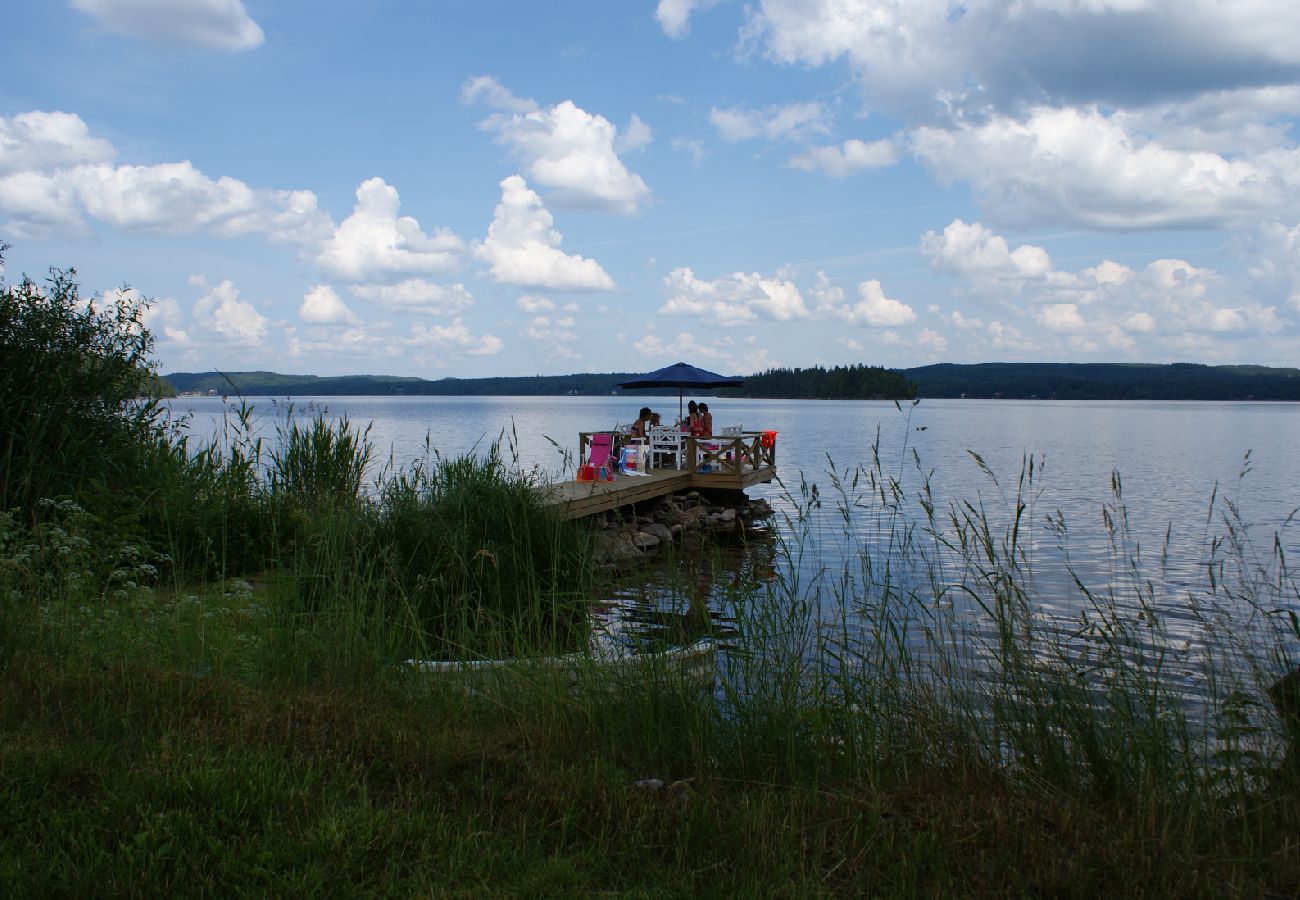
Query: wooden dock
730,463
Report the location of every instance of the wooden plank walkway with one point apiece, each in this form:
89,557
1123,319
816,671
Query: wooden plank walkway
585,498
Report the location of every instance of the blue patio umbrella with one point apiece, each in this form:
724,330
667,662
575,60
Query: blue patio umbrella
681,376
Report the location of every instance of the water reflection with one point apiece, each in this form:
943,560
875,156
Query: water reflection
693,590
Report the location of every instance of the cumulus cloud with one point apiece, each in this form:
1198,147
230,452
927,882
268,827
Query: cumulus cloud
674,16
872,308
416,295
932,57
1062,317
933,341
849,158
636,136
1273,253
1164,304
522,247
375,244
454,337
210,24
722,354
694,147
789,122
53,184
565,149
322,306
975,252
226,318
733,299
41,141
1083,167
552,332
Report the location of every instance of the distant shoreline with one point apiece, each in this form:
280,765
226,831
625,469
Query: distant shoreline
980,381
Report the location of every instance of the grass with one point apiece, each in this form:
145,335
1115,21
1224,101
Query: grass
203,688
220,738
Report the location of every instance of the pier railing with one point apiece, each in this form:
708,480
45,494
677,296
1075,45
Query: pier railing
734,454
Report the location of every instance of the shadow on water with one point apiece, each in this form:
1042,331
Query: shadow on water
693,590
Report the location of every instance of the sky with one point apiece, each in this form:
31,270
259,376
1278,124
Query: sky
484,188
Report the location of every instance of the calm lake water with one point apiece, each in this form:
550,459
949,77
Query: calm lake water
1171,458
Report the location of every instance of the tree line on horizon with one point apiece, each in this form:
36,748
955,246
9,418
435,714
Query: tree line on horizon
1020,381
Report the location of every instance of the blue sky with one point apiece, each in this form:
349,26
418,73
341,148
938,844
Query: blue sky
486,188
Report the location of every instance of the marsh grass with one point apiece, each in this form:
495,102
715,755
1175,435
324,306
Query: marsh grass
203,690
901,725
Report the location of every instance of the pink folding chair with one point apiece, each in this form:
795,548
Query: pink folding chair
600,448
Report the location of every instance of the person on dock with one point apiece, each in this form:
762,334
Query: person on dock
691,423
639,427
706,420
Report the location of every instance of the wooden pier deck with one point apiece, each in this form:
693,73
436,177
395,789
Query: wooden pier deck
730,463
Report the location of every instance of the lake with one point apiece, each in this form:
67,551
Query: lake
1171,457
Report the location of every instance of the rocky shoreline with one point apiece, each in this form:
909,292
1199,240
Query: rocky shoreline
621,536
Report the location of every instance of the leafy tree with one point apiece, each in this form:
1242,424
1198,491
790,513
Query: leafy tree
74,380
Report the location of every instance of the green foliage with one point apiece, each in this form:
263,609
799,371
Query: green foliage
1106,381
856,382
459,554
74,379
321,461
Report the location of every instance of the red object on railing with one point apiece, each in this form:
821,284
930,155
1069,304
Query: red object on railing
768,439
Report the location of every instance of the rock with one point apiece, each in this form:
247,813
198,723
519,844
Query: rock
663,532
760,509
649,784
644,540
728,516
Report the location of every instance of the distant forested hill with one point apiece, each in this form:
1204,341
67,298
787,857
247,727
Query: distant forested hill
260,384
839,383
1106,381
1059,381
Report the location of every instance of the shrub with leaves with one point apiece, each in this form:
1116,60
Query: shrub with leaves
73,378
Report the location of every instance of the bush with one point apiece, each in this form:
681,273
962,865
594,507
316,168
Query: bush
73,382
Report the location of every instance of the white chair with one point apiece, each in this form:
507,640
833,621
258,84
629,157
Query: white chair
666,442
731,431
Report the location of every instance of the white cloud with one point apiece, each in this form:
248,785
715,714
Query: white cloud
932,341
53,184
454,337
789,122
720,354
1165,303
1063,317
988,53
849,158
416,295
636,136
692,146
488,91
375,244
1273,253
322,306
41,141
551,330
975,252
1080,166
872,309
826,296
531,303
225,317
211,24
565,149
733,299
674,16
522,247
